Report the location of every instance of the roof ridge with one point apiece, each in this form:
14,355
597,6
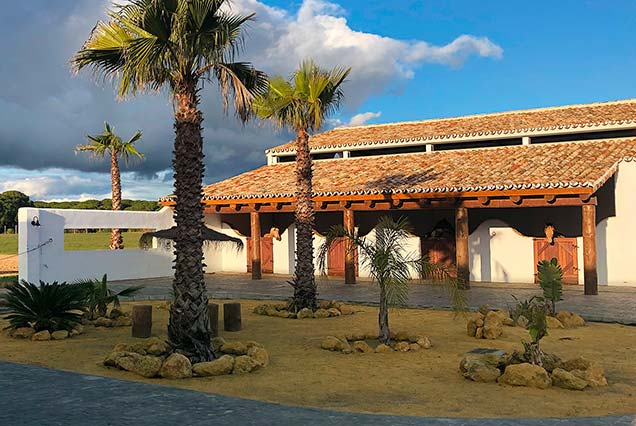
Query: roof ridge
488,114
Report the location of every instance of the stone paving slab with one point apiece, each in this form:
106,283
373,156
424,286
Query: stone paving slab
43,397
610,305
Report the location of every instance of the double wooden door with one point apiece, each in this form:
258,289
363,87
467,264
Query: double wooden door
267,255
336,259
440,251
565,250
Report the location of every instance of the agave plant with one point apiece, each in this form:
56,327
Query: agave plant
99,296
54,306
390,266
550,277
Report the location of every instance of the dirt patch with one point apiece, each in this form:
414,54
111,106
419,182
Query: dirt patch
423,383
9,265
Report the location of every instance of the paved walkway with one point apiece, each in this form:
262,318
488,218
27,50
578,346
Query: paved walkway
612,304
43,397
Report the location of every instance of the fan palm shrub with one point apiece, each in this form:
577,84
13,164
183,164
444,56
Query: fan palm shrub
302,105
550,277
390,265
179,45
108,143
99,296
47,306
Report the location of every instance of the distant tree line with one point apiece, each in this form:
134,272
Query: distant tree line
11,201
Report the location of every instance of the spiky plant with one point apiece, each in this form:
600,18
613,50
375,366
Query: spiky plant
54,306
390,265
179,45
302,105
99,296
536,311
550,277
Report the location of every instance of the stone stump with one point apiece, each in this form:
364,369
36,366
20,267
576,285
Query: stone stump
142,321
232,316
213,310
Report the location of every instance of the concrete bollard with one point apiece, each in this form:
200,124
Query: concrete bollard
213,310
142,321
232,316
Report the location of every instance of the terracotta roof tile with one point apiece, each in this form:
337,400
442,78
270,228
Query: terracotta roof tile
558,165
505,123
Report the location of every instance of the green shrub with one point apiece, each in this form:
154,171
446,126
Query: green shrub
7,281
54,306
535,310
99,296
550,277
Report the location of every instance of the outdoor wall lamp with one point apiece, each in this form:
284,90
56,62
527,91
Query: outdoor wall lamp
35,221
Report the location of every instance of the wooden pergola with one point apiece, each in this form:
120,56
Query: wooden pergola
460,202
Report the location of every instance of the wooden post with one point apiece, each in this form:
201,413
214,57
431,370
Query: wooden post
213,310
461,246
141,321
350,258
590,275
232,316
255,234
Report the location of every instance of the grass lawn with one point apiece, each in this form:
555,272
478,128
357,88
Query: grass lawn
8,280
424,383
75,241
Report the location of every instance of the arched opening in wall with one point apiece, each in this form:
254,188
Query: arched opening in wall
100,239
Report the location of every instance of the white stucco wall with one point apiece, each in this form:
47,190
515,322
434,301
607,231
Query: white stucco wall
51,262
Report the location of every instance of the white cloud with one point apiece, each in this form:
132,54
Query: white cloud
456,52
360,119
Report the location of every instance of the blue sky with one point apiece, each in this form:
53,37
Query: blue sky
411,60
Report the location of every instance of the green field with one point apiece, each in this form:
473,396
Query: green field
75,241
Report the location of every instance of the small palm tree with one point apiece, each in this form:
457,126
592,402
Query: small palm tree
302,105
179,44
390,266
108,143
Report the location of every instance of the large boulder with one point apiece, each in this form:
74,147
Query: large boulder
362,346
103,322
23,333
569,319
59,335
424,342
219,367
332,343
493,325
566,380
122,322
525,375
334,312
176,366
234,348
321,313
474,322
402,346
41,335
478,370
347,310
217,343
156,346
143,365
259,355
115,313
592,372
244,364
552,322
305,313
383,349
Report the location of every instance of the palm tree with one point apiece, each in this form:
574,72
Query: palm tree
179,44
302,104
109,143
390,266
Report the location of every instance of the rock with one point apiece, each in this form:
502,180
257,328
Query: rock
478,369
23,333
471,327
324,304
382,348
551,362
218,367
355,336
569,319
402,346
259,355
525,375
139,348
258,310
176,366
251,344
217,342
74,332
234,348
479,321
244,364
270,311
484,309
59,335
414,347
553,322
400,336
578,363
305,313
413,338
112,358
121,322
479,334
566,380
332,343
493,325
522,321
103,322
158,348
41,335
347,310
508,322
362,346
594,375
115,313
282,314
493,357
334,312
321,313
79,328
143,365
424,342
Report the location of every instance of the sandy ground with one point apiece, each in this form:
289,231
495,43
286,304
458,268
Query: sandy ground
8,265
425,383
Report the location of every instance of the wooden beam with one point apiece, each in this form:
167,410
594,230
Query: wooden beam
461,246
516,199
550,198
484,200
350,266
255,235
590,275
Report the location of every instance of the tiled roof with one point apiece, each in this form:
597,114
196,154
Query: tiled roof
543,166
513,124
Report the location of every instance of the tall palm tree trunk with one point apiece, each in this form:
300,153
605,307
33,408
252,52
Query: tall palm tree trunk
189,327
383,318
116,240
304,279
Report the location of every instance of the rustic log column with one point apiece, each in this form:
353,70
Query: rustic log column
350,259
590,276
232,316
255,234
461,246
213,310
142,321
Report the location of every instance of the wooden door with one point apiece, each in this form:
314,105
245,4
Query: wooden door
565,250
336,259
267,255
441,251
